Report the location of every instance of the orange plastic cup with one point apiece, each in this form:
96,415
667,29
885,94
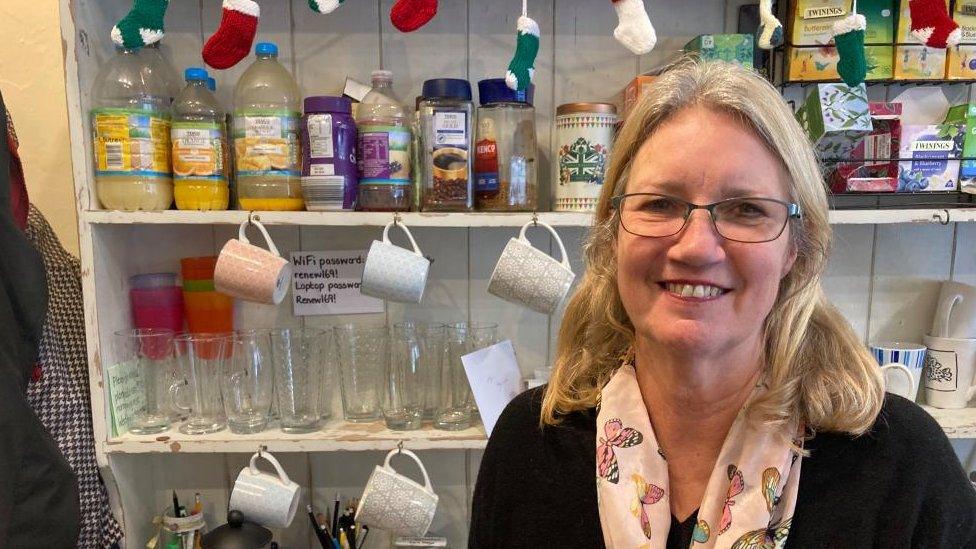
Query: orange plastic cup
208,312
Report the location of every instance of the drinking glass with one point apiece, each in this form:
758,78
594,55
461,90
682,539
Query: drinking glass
201,358
480,335
432,354
404,393
248,381
364,352
152,351
299,357
329,383
453,393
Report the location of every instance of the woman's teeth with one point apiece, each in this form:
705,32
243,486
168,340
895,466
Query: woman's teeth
691,290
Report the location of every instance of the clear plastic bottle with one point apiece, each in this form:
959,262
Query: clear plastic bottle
130,120
267,111
199,139
383,151
158,65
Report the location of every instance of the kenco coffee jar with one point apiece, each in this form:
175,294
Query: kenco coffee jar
584,135
505,148
329,175
447,145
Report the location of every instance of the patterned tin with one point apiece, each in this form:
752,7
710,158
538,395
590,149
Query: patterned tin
584,136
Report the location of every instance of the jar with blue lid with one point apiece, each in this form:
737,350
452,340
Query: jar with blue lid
447,145
505,149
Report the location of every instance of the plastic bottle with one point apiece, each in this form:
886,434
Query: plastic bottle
383,150
198,135
130,122
157,64
267,109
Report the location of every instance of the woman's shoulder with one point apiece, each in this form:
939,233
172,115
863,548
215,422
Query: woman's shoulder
520,421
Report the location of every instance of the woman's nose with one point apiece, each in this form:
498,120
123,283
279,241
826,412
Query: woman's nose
698,243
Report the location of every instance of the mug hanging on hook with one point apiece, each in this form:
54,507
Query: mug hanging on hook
251,273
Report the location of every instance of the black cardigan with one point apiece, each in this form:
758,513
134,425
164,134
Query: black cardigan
900,485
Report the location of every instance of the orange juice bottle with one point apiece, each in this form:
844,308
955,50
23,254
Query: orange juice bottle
198,137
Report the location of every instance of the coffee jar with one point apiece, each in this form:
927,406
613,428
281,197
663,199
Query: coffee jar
447,142
505,149
584,136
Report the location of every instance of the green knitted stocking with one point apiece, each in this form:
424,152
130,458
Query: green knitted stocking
143,25
849,39
521,70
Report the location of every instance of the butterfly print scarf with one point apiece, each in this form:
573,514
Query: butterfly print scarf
749,500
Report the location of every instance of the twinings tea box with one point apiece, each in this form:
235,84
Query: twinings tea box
876,169
733,48
930,157
836,117
813,24
962,59
916,62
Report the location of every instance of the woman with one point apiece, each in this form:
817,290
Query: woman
700,369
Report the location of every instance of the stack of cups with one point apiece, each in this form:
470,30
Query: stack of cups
157,302
207,310
950,366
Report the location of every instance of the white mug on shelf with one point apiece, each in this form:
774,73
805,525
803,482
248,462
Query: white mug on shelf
394,273
269,500
396,503
955,316
896,358
950,368
527,276
251,273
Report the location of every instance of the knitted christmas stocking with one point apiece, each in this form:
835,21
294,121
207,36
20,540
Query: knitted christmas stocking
634,30
849,39
324,6
142,26
410,15
521,70
770,32
932,25
233,39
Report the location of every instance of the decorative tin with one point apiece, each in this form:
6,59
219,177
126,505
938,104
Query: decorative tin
584,135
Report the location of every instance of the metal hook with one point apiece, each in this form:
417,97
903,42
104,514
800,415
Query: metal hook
942,221
397,219
535,219
262,449
400,447
252,216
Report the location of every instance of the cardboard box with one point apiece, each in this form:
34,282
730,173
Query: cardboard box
733,48
633,93
930,157
962,59
878,170
836,117
916,62
812,25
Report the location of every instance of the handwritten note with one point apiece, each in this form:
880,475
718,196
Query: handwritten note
128,399
495,379
327,283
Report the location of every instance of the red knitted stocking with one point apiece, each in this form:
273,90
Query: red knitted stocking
932,25
410,15
232,41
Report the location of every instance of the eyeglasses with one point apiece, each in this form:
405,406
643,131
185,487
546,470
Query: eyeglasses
750,220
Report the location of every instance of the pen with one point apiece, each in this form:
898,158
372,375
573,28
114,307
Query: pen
319,533
335,517
343,540
176,505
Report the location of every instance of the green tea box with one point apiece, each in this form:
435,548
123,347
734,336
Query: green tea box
836,117
733,48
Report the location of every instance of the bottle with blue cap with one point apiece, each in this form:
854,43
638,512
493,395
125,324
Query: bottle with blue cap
267,110
199,139
447,145
130,121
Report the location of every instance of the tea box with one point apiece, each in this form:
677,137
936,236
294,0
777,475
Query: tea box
836,117
929,156
813,22
962,59
916,62
732,48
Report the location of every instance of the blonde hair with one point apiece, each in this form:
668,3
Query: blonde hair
816,368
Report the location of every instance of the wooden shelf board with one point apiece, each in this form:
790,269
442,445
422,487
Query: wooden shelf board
476,219
956,423
334,436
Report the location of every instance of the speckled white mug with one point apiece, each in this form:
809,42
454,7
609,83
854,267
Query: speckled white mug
396,503
527,276
251,273
269,500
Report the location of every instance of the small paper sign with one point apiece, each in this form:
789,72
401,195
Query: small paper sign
495,379
125,391
327,283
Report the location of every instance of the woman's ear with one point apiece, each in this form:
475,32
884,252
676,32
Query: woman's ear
791,254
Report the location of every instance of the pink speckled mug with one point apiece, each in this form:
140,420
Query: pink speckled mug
251,273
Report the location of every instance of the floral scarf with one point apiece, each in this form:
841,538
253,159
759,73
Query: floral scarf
748,502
